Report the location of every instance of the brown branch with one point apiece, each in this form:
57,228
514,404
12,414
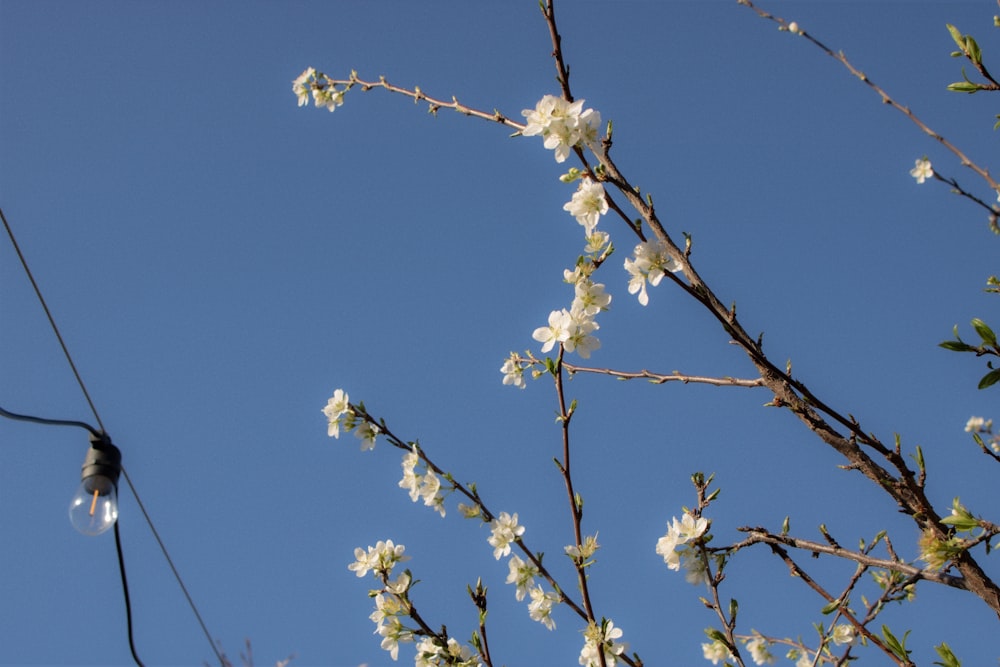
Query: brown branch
576,510
562,69
418,95
657,378
654,378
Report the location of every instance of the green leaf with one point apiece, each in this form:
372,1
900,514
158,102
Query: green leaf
830,608
984,331
896,646
947,656
957,346
956,35
961,523
963,87
990,379
975,54
715,635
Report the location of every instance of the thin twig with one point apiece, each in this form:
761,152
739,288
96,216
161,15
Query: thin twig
886,99
762,536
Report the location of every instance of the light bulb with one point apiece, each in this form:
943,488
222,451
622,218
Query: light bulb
94,507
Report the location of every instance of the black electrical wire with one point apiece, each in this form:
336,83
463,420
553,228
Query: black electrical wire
173,569
51,422
128,603
93,409
52,322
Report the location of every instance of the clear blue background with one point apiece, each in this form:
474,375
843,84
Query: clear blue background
220,260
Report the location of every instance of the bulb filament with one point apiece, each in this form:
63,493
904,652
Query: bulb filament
93,503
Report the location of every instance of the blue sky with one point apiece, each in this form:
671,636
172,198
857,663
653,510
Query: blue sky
220,260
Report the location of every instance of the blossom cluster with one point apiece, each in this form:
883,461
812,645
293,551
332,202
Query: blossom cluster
840,635
978,427
675,550
563,125
574,328
324,92
339,413
380,559
759,648
390,606
421,482
602,639
650,262
430,653
503,531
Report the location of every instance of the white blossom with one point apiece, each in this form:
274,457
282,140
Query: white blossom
759,651
922,170
540,607
596,242
558,330
366,432
300,87
504,530
843,634
579,337
651,261
338,406
716,651
393,632
590,298
588,204
522,574
805,660
513,371
695,567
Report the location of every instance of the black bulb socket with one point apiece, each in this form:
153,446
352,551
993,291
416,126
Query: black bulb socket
102,465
